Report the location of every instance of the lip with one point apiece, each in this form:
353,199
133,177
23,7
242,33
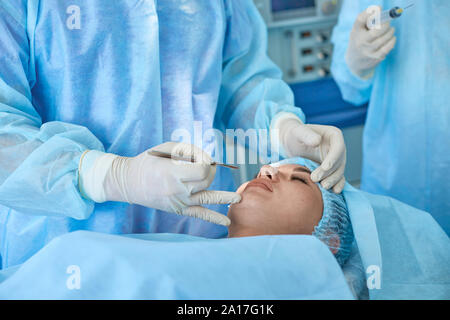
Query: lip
261,183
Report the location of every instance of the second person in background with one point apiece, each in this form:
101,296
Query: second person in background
403,69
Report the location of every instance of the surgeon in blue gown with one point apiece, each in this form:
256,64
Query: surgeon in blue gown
403,69
87,86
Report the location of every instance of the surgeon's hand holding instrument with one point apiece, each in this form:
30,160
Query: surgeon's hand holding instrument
158,182
322,144
368,47
386,16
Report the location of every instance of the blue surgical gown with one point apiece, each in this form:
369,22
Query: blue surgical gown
407,133
119,76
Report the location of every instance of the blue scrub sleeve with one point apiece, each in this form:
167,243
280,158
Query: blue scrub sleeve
253,91
38,162
353,88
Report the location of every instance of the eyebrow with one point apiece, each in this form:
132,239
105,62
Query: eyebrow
301,169
297,169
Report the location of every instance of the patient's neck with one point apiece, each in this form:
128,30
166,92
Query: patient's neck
243,231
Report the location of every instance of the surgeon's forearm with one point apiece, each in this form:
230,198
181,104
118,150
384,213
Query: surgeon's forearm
38,161
354,89
39,166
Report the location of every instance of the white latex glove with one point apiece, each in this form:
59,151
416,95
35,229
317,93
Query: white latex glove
368,48
322,144
164,184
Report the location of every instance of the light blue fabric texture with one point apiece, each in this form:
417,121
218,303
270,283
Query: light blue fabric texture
119,76
406,137
409,248
176,266
335,221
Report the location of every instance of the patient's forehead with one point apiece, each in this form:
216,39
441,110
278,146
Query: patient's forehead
290,167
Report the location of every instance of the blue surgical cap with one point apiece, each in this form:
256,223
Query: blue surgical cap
335,223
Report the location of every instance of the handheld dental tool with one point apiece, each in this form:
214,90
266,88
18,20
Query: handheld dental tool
169,156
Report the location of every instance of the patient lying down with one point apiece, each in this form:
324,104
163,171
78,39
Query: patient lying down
283,199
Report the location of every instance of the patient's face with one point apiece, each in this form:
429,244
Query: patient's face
281,200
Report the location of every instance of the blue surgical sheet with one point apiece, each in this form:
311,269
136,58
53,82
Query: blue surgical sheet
402,252
405,248
175,266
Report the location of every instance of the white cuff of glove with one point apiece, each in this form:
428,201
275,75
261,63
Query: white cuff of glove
278,124
93,168
362,75
366,75
281,117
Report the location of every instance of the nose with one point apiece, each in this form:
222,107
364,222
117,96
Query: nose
268,172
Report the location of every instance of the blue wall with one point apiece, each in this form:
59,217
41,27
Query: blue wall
322,103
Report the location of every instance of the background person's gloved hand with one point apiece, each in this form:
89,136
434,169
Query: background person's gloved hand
368,48
322,144
164,184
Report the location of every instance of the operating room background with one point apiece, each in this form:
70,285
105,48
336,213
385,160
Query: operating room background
299,34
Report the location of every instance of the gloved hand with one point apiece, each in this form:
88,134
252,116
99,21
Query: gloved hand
159,183
322,144
368,48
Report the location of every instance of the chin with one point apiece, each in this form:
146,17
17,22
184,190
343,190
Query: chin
252,203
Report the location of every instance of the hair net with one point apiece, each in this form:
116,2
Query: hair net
335,223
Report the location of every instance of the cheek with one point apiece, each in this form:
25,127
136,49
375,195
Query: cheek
300,210
253,210
310,213
251,203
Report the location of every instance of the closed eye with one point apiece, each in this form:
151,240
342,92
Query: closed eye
300,179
